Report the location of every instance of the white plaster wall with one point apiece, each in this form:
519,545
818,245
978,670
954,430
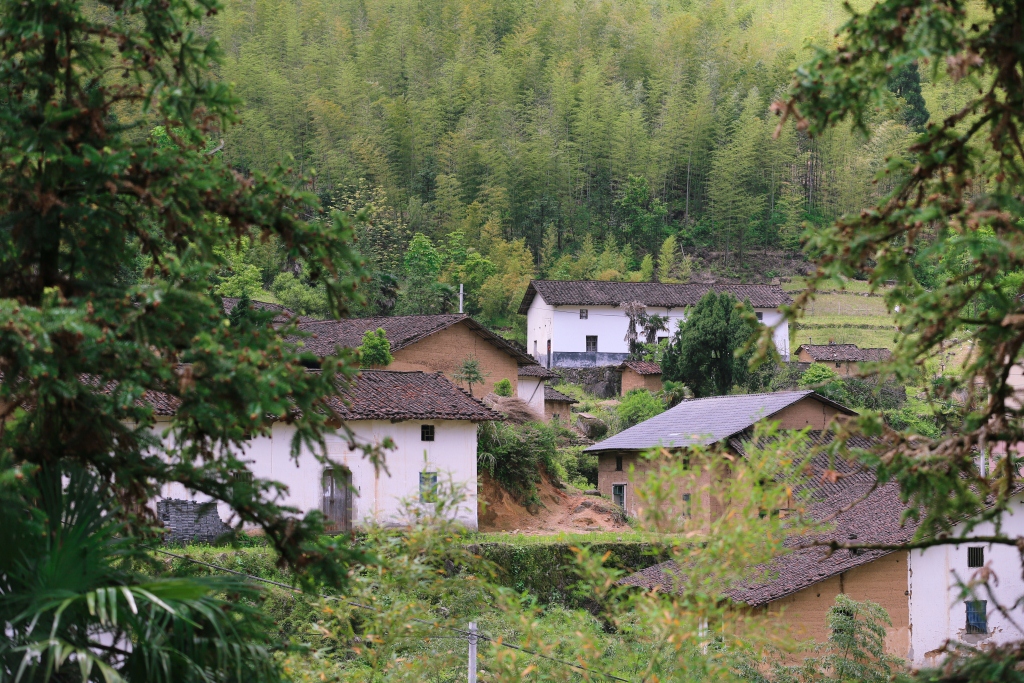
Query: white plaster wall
531,390
379,494
539,329
938,613
609,323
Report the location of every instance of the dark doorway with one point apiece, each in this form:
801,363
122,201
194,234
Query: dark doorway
549,354
337,500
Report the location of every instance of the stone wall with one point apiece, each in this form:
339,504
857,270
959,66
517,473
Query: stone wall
605,381
187,521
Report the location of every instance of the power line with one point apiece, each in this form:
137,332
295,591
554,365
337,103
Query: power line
462,633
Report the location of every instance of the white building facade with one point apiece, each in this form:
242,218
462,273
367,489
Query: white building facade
530,387
939,609
433,425
582,323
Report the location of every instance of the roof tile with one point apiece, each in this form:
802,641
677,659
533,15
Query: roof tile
844,352
655,294
642,367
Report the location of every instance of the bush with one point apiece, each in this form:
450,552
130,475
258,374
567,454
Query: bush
513,455
580,468
375,350
503,387
638,405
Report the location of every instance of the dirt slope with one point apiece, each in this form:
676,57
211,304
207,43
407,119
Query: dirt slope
561,511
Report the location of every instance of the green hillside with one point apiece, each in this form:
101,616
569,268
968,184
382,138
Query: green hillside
558,139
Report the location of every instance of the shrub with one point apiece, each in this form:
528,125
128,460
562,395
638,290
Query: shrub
503,387
638,405
513,455
580,468
375,349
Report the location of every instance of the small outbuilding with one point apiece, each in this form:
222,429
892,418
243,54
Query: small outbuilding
640,374
557,406
531,386
845,359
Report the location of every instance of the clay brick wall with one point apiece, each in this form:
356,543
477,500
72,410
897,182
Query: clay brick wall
884,581
807,412
707,506
633,380
561,408
446,350
844,369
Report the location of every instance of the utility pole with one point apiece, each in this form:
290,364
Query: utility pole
472,652
460,296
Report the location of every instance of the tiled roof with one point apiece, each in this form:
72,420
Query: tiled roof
389,395
386,395
641,367
401,331
536,371
705,420
844,352
552,395
655,294
875,519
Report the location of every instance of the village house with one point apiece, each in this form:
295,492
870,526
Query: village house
920,589
845,359
532,380
703,421
640,374
430,343
582,323
432,423
557,406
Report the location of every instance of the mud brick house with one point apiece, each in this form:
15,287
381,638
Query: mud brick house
582,323
845,359
430,343
557,406
531,385
703,421
919,588
640,374
431,421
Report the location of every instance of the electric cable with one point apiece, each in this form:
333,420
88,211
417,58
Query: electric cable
463,633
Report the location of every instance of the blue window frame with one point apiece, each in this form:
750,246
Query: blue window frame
977,616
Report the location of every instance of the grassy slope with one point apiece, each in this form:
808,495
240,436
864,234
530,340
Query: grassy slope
845,317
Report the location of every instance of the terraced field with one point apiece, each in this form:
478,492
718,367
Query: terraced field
849,316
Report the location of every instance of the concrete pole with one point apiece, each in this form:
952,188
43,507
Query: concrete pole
472,652
460,296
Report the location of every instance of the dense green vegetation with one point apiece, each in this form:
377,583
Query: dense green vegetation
494,141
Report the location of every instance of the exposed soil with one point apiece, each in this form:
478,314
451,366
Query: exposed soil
562,510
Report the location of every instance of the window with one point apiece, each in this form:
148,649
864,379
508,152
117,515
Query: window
977,616
428,486
535,352
591,343
975,557
245,476
584,313
838,364
618,463
662,339
619,495
686,505
760,316
426,432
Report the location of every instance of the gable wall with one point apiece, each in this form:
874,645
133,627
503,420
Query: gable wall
884,581
561,408
807,412
445,351
634,380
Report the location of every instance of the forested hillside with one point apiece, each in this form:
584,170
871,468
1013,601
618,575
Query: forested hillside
566,139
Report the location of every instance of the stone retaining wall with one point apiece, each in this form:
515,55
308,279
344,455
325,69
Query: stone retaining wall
187,521
604,381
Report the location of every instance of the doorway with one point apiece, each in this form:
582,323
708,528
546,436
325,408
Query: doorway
619,495
336,505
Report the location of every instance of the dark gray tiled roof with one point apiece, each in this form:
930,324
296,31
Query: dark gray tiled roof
538,371
655,294
641,367
389,395
862,515
844,352
402,331
553,395
703,421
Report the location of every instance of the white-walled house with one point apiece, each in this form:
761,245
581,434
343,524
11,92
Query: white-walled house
582,323
432,423
531,385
